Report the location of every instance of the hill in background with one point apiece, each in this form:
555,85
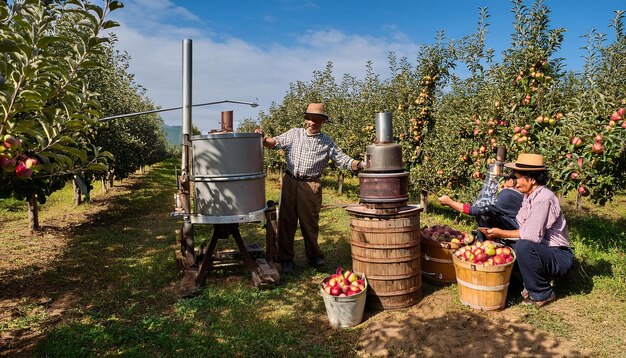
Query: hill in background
174,134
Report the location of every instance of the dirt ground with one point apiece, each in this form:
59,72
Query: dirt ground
448,330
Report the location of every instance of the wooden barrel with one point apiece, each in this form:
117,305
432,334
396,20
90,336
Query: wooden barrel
437,264
387,250
482,287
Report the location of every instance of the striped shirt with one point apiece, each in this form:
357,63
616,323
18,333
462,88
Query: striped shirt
309,155
541,219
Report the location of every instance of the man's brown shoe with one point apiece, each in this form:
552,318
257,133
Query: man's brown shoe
529,301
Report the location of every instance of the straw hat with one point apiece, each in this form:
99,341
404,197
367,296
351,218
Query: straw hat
316,109
527,162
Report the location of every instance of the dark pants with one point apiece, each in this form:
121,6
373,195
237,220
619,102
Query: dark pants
539,264
300,201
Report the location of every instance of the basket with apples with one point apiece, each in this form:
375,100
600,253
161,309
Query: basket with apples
344,294
344,283
483,271
447,236
486,253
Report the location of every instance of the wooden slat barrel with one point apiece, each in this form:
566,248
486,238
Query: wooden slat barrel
482,287
387,250
437,264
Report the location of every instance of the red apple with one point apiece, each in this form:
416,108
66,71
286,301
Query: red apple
616,117
506,250
498,260
327,289
31,162
6,162
583,190
621,112
335,290
574,175
23,171
597,148
11,142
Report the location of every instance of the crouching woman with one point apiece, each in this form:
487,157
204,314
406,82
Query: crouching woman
543,250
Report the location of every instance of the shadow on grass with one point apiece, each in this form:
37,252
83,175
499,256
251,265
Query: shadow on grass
117,262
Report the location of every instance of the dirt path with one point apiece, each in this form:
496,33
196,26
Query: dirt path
439,327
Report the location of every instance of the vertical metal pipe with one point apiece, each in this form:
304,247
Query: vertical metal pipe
186,147
384,127
227,121
187,71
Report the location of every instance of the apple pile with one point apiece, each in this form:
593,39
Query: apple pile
444,233
343,283
486,253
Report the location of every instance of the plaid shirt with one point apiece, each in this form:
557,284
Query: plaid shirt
541,219
309,155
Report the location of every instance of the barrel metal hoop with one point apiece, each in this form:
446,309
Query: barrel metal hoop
402,245
483,308
391,277
387,260
398,293
223,178
481,287
383,229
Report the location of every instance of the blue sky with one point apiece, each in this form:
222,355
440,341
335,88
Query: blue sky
249,49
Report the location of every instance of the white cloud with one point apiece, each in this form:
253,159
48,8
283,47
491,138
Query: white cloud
234,68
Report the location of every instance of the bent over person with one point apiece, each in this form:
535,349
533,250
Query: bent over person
492,208
543,250
308,151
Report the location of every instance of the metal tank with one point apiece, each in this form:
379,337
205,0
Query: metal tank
228,174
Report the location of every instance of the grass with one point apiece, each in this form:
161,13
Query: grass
101,280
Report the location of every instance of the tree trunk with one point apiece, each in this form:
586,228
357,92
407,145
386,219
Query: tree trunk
110,177
77,193
579,200
33,215
424,200
105,189
340,179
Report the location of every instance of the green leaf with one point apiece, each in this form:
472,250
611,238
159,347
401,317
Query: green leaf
97,167
114,5
71,151
109,24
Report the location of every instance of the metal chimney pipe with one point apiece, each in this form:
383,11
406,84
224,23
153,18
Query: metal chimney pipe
187,71
185,172
384,127
227,121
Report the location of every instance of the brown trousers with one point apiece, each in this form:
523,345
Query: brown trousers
299,201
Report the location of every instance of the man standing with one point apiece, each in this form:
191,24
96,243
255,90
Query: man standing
308,151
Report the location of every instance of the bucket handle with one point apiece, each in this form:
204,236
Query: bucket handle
433,274
434,259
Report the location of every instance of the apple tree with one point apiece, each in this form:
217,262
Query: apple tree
47,113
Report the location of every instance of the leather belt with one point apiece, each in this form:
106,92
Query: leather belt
301,177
